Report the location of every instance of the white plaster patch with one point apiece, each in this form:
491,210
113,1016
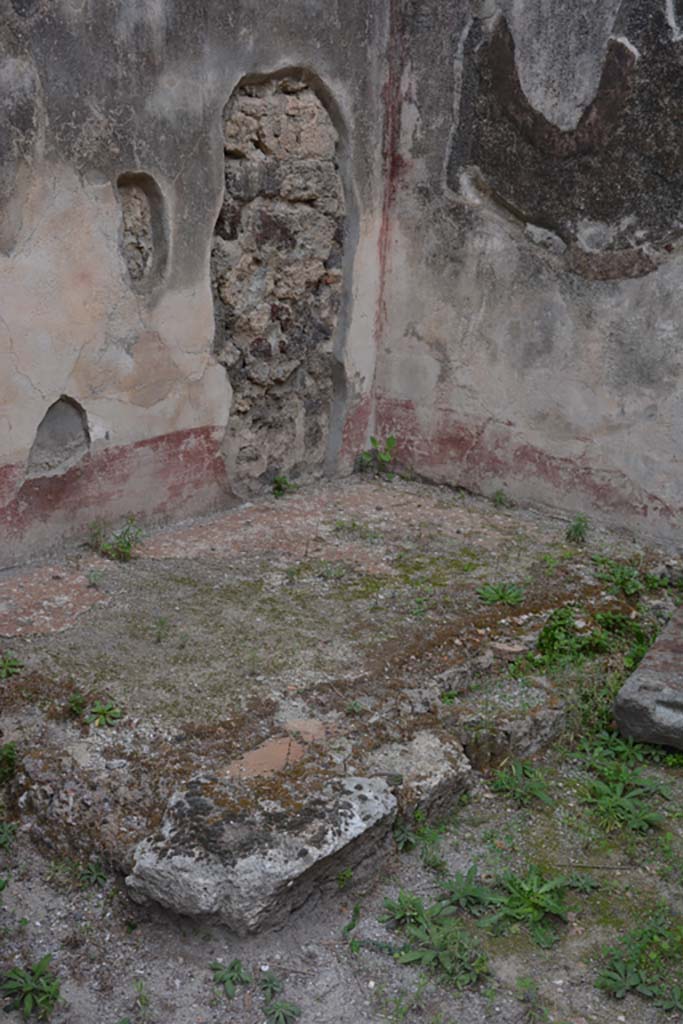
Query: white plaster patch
628,44
594,236
560,52
672,19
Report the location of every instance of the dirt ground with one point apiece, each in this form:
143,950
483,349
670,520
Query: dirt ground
310,629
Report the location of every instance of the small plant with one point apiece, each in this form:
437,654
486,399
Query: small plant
647,961
523,784
120,545
351,925
355,708
282,486
270,985
77,704
228,978
94,578
622,800
9,665
621,577
526,991
104,714
406,839
143,1000
379,456
8,762
7,834
92,875
501,593
344,879
33,990
530,900
466,893
440,943
282,1012
577,531
501,500
162,628
408,907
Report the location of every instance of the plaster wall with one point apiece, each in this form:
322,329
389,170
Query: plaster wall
95,95
509,307
533,333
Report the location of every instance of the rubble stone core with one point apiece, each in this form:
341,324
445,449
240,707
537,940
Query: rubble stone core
276,270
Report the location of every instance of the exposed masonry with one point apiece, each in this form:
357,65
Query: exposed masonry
137,243
276,276
61,440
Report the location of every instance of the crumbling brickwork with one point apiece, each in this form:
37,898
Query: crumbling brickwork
276,275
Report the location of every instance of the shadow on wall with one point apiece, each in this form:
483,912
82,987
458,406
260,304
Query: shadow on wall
277,272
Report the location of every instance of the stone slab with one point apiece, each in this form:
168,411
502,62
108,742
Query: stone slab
649,707
251,873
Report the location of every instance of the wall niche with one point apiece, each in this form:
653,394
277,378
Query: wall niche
62,439
143,236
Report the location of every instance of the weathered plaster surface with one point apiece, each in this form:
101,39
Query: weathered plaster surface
533,339
109,193
508,282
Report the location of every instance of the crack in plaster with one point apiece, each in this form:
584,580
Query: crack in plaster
15,360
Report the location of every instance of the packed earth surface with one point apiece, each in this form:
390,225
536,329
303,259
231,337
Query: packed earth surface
359,737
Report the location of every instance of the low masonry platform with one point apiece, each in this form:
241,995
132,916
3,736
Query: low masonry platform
293,676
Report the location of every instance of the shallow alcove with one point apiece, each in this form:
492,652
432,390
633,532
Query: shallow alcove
143,237
277,277
62,439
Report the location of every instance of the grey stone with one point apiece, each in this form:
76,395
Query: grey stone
649,707
434,772
251,872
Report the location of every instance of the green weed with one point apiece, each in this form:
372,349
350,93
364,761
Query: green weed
104,713
8,833
621,799
118,546
9,665
33,990
92,875
439,943
360,531
577,531
282,1012
282,486
344,879
143,999
501,593
379,456
647,961
228,978
522,783
270,985
77,704
401,911
8,762
622,577
533,900
501,500
464,892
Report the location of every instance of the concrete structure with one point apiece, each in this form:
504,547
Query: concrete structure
479,202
